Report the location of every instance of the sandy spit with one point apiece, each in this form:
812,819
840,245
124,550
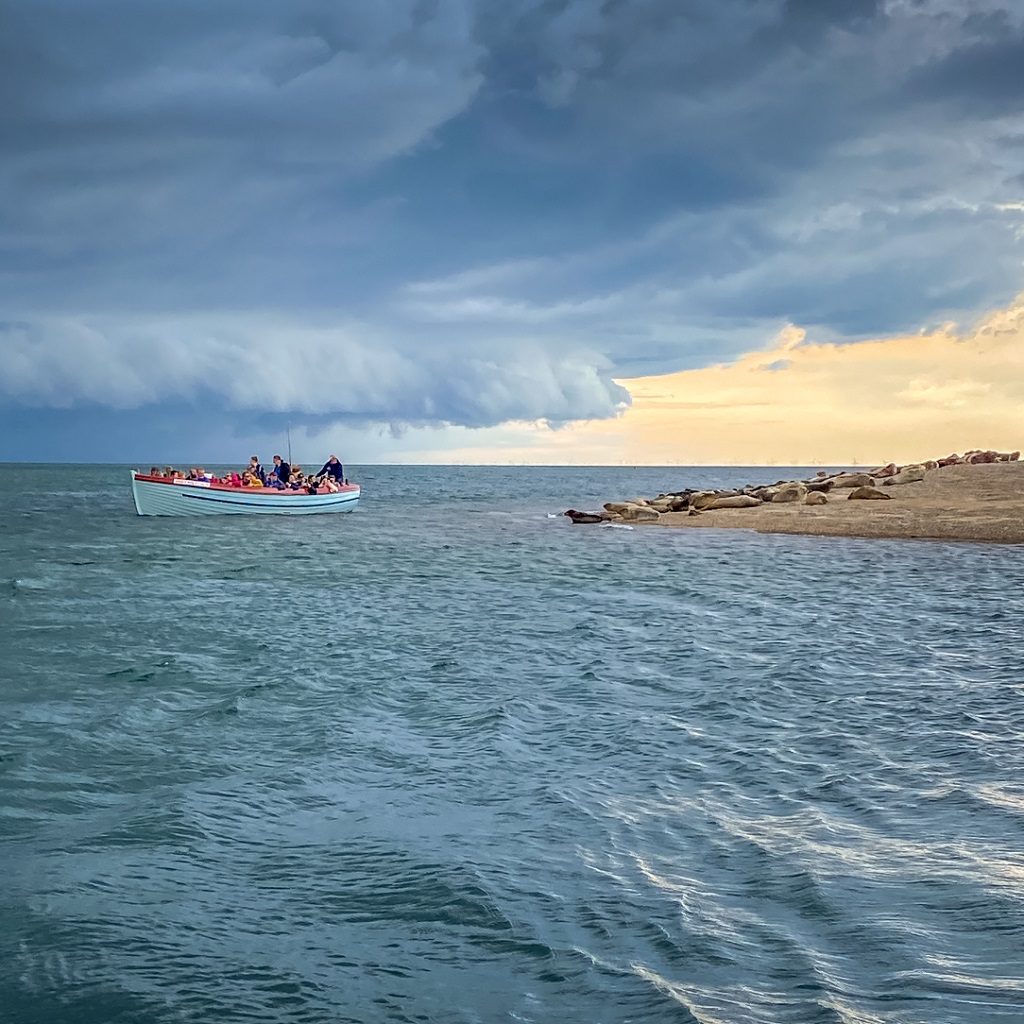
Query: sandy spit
969,503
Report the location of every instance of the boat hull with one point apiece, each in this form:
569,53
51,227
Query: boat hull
197,498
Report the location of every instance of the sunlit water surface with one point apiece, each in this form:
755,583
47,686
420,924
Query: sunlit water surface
448,759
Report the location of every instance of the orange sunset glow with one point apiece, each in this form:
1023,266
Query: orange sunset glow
802,402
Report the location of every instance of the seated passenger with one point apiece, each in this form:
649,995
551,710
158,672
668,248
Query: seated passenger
251,480
232,479
155,471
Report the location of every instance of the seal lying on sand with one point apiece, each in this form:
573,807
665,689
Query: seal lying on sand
584,517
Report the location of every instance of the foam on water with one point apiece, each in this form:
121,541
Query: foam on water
447,759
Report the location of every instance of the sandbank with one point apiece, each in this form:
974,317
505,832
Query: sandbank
963,503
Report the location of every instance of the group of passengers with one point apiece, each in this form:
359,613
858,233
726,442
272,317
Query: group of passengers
282,476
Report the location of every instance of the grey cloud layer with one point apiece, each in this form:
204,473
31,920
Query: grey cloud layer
274,367
470,212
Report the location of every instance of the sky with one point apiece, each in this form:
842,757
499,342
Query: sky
535,231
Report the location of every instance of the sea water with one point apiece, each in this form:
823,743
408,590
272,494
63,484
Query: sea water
449,759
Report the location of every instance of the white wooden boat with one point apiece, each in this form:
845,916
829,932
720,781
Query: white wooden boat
159,496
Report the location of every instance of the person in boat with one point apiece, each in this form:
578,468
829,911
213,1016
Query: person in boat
256,469
250,479
273,480
295,478
233,479
155,471
281,472
332,468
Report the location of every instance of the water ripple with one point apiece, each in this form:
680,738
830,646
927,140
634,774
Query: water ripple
451,760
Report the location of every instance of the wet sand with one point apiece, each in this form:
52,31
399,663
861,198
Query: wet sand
969,503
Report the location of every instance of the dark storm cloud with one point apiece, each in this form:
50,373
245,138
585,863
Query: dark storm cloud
985,77
454,211
809,20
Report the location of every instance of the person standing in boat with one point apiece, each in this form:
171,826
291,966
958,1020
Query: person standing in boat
332,468
280,473
256,469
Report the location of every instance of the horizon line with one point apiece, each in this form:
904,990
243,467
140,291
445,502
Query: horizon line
473,465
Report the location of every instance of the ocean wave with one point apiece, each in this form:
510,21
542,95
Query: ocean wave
454,767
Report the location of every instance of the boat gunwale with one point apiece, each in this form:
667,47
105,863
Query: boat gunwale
256,492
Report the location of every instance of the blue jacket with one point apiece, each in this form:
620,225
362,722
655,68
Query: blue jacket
335,469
